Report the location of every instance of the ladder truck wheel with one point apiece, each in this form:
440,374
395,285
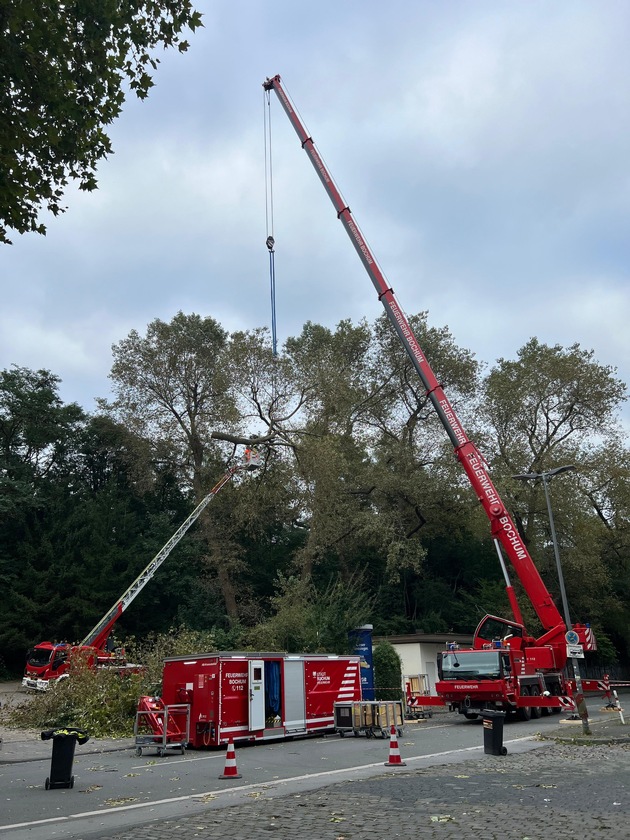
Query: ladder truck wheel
536,711
525,712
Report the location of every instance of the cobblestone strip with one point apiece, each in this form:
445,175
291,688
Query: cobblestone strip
562,791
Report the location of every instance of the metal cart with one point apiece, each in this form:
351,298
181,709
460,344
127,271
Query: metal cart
417,687
162,729
373,718
416,711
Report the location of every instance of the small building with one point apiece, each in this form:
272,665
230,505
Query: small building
418,653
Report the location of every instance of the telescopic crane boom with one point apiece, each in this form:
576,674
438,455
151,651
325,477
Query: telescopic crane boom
501,524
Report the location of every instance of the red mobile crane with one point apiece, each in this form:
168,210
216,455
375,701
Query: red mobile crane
506,668
48,662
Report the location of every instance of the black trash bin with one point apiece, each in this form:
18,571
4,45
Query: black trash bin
493,732
64,742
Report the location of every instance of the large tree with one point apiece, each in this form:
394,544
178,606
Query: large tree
178,387
36,430
37,433
549,404
550,407
63,67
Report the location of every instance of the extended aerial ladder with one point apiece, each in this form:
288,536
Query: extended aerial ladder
98,635
48,661
550,649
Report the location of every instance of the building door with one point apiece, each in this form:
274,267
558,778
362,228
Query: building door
431,676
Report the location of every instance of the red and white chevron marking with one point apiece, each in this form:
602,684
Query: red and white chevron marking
347,689
589,640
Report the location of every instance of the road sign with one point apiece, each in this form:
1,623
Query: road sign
575,651
572,637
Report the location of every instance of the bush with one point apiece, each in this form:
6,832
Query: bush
153,650
99,701
387,672
102,701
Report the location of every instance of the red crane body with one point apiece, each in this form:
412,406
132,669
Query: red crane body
549,651
473,463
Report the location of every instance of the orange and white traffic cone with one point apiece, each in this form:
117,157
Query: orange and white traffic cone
394,753
230,771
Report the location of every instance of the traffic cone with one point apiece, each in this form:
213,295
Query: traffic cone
394,753
230,771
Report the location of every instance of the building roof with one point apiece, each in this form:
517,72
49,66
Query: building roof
427,638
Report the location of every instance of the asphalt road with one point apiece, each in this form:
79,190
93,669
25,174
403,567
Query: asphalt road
119,794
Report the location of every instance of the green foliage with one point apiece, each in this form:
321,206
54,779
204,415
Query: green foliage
359,514
63,68
306,619
5,674
100,700
387,672
606,653
153,649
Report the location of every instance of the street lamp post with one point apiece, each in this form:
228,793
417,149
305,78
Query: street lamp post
545,478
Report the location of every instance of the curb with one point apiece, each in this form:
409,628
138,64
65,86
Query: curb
12,757
606,734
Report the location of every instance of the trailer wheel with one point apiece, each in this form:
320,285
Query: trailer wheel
341,733
47,784
71,781
138,751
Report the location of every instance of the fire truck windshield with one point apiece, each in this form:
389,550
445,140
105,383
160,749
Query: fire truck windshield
477,664
38,657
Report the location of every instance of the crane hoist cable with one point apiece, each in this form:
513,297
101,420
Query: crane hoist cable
270,242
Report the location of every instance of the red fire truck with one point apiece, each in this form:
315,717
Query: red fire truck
506,668
49,662
209,698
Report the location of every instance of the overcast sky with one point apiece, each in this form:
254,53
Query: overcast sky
483,147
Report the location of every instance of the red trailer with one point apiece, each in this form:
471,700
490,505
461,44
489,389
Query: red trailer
256,696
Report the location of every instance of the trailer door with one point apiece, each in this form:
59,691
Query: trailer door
294,696
256,675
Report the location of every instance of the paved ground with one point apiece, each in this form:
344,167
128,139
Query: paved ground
571,787
561,790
